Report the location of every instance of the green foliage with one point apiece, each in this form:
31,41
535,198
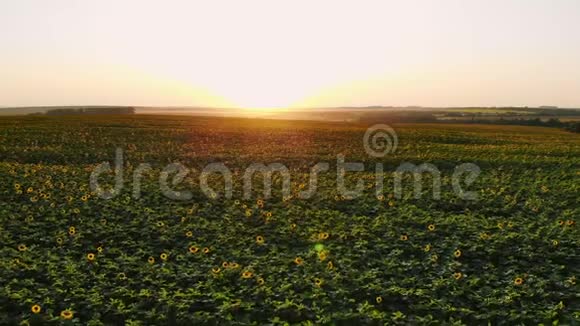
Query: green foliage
518,244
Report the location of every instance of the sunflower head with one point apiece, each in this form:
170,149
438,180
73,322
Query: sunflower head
457,253
90,256
234,265
66,314
151,260
206,250
189,234
100,249
379,299
22,247
330,265
318,282
216,270
518,281
427,248
35,309
298,261
457,275
404,237
260,240
260,281
193,249
247,274
431,227
164,256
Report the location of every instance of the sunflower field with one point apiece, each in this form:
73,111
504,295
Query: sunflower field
68,256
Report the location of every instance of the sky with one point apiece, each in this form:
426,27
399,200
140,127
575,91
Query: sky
299,53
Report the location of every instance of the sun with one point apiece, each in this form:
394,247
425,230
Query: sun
262,93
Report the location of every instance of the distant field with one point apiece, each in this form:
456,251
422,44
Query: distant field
510,257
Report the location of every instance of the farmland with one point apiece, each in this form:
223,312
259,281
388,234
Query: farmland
509,257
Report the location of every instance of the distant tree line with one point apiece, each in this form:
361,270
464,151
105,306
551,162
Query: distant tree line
572,126
91,110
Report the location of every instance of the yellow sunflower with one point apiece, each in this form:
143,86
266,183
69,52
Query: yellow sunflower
66,314
379,299
457,253
22,247
247,274
404,237
35,309
431,227
151,260
330,265
457,275
163,256
193,249
518,281
298,261
206,250
189,234
260,281
260,240
318,282
90,256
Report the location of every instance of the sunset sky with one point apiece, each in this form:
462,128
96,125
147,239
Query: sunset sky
290,53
